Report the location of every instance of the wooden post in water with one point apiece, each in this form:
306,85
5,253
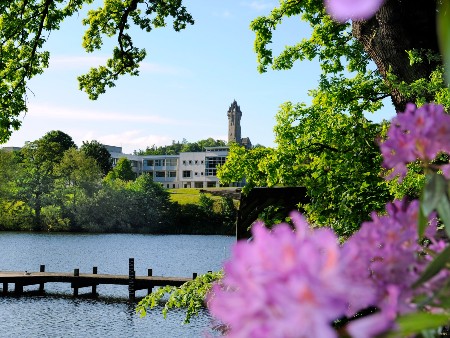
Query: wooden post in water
41,286
94,286
194,275
149,273
131,279
18,289
5,288
76,272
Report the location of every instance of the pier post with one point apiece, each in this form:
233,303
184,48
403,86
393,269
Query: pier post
18,289
41,285
5,288
76,273
131,279
94,286
149,273
194,275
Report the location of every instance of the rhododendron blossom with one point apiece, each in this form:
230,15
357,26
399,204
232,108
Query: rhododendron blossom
285,284
418,133
388,250
343,10
289,283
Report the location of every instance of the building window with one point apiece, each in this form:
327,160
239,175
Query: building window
168,186
202,162
184,162
211,184
171,162
160,174
201,173
148,163
214,162
172,174
196,161
186,173
211,172
196,174
173,186
160,163
190,161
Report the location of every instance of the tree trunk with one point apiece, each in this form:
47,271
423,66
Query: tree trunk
400,26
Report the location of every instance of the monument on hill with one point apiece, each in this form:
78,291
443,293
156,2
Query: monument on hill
234,126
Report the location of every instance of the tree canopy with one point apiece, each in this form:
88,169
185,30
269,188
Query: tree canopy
330,146
26,25
99,153
181,147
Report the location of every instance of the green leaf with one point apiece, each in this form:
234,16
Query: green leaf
434,267
435,188
422,223
443,209
416,322
443,30
434,191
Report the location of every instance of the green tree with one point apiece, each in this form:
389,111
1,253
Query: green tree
65,141
78,175
177,147
35,180
9,206
122,170
99,153
26,26
8,171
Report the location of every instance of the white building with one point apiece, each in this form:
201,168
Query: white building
116,154
186,170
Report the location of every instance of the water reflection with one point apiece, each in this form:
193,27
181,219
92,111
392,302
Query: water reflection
58,314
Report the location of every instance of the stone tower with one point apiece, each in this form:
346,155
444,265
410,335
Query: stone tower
234,123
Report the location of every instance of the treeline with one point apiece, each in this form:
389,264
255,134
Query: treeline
178,147
51,185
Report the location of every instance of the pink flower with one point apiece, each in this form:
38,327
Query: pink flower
343,10
418,133
285,284
388,247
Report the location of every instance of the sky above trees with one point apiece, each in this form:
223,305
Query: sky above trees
186,83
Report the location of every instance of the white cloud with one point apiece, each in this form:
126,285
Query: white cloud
67,62
65,113
226,14
259,5
130,140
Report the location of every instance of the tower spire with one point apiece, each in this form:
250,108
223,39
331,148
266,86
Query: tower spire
234,123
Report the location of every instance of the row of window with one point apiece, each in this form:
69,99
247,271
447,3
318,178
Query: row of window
188,174
211,162
185,173
170,162
162,174
185,162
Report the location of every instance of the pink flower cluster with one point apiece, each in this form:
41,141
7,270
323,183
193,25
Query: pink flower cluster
418,133
386,255
285,284
296,283
343,10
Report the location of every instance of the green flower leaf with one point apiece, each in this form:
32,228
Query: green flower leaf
443,209
417,322
434,267
443,30
433,193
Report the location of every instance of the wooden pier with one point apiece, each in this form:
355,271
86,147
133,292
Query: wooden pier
79,280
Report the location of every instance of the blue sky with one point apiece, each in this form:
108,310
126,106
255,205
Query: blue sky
187,82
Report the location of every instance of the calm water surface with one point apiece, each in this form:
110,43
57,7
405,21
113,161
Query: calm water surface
60,315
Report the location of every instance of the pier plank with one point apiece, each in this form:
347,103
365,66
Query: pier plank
20,279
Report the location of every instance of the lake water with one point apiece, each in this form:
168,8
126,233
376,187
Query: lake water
58,314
